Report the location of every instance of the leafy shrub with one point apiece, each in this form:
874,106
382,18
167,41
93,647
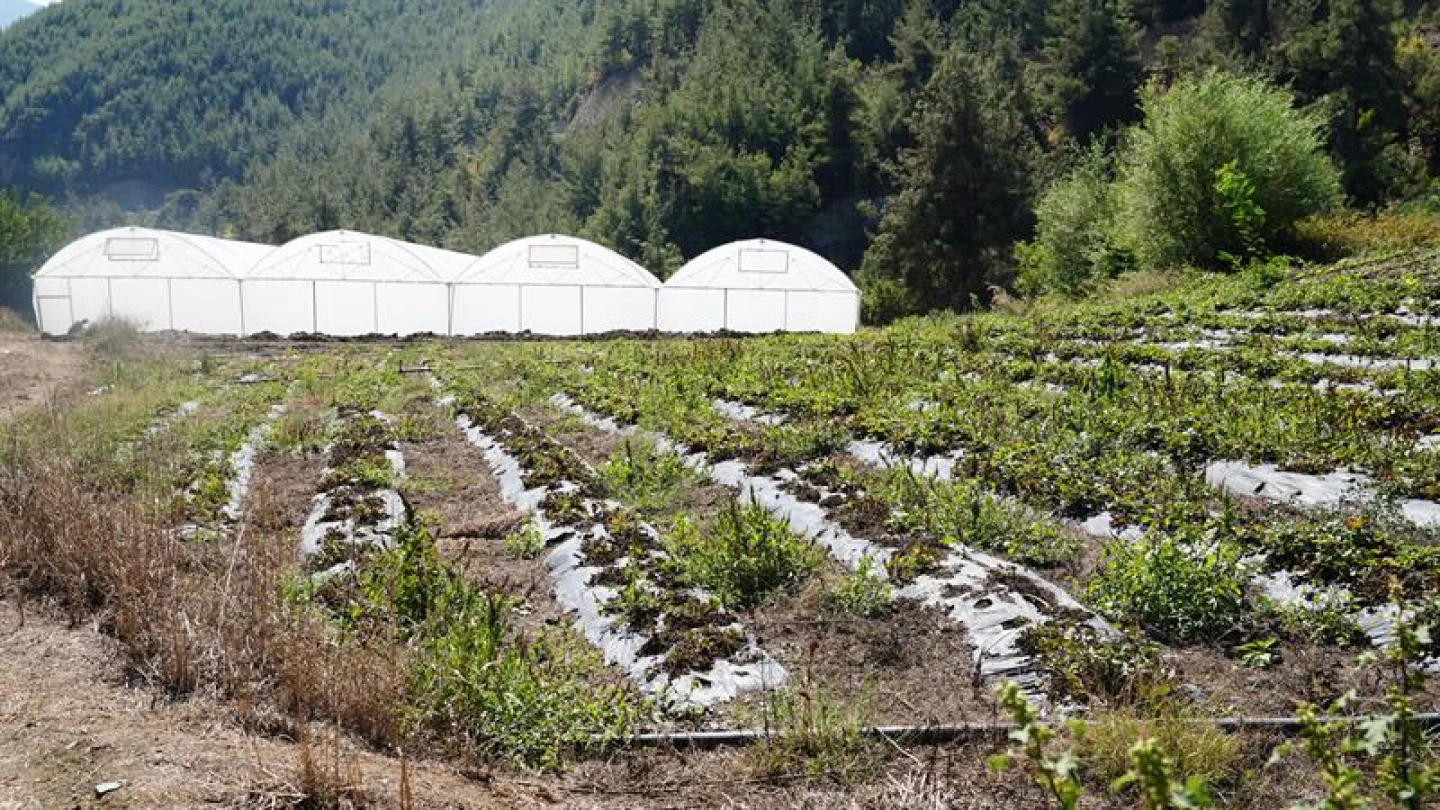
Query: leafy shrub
863,592
1083,664
1177,590
644,477
1075,243
1150,774
531,701
1175,208
526,542
742,555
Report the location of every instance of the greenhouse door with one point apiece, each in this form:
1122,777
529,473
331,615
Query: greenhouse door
54,306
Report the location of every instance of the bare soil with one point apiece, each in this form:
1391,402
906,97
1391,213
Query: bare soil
66,725
34,372
909,667
448,479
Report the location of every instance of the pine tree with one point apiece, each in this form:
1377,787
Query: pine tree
1091,67
964,189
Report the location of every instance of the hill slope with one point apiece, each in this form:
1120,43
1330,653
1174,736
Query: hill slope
660,127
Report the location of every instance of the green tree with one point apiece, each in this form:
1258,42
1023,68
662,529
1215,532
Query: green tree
1342,57
964,189
1173,209
1075,243
1090,65
30,230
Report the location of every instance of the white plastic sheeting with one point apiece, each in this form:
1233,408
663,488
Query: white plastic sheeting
158,280
969,585
759,286
554,285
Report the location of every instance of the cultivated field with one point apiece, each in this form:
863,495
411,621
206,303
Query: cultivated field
491,572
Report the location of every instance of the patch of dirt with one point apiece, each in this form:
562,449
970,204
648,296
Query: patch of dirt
288,483
66,725
910,667
447,478
591,444
1303,672
34,371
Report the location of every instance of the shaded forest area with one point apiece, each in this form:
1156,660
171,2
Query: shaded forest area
907,140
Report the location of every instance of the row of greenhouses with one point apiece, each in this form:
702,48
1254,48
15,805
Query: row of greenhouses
343,283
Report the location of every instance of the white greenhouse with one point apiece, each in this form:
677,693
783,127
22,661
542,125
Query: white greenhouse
344,283
759,286
157,279
347,284
554,285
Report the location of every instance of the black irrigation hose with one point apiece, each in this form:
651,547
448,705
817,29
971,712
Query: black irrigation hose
970,732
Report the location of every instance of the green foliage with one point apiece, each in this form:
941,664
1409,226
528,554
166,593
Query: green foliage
1180,589
1150,775
646,478
1056,775
1090,65
1236,194
1085,664
29,231
809,732
742,555
527,542
1075,244
863,592
474,681
1187,753
964,187
1175,211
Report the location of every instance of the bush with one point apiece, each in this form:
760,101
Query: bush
1221,165
1075,243
1177,590
863,592
1084,664
744,555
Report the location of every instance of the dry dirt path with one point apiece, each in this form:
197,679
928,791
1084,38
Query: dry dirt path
67,725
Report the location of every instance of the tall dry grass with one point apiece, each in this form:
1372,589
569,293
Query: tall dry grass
190,616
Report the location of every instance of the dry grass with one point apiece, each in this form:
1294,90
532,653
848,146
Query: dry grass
15,323
189,616
1336,236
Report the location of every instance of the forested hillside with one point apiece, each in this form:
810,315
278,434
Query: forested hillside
907,140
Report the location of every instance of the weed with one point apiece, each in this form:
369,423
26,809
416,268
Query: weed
1180,591
1190,746
113,338
644,477
15,323
809,732
527,542
862,592
1086,664
742,555
1056,775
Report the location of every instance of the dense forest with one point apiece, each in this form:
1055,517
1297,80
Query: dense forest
916,143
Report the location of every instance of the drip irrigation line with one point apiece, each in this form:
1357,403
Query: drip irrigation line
973,732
